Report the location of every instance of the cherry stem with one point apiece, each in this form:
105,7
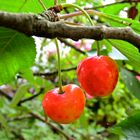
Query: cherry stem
42,4
58,52
59,67
88,17
64,5
55,2
98,48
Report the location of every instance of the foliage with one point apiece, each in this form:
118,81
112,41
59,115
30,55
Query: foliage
13,56
28,69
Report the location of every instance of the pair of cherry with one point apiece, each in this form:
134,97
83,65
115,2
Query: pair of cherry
97,77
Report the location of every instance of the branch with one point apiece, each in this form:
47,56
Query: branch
52,126
19,118
32,97
33,115
5,95
18,135
114,3
71,45
54,73
31,24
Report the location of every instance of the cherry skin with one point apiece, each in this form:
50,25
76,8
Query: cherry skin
98,75
66,107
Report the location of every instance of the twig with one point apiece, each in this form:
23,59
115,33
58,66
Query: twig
110,4
32,97
134,72
93,12
17,135
71,45
52,126
20,118
6,95
42,4
37,117
55,72
77,13
55,2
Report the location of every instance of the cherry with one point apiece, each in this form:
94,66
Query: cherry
98,75
132,12
66,107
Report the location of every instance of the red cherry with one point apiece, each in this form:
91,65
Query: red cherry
98,75
132,12
66,107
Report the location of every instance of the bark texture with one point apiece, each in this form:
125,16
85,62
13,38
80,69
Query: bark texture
37,25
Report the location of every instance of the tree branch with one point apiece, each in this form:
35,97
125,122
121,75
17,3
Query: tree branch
5,95
71,45
19,118
32,97
54,73
114,3
31,24
36,116
52,126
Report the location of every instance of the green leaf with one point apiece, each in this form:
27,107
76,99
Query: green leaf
4,123
61,1
131,82
116,130
17,52
127,50
133,24
138,15
22,90
107,45
130,127
24,5
116,21
114,9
